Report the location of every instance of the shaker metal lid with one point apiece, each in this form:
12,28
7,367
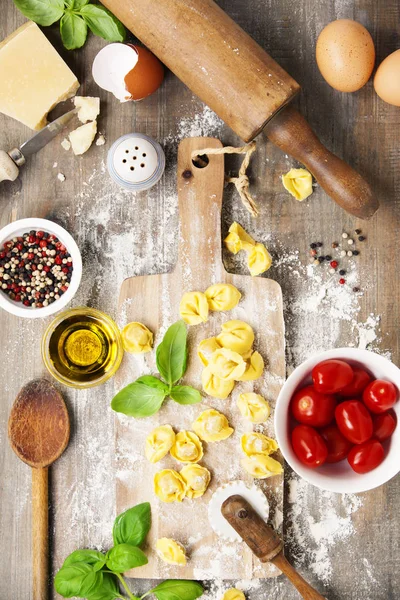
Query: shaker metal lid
136,161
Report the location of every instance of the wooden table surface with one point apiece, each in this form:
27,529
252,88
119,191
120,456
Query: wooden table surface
346,546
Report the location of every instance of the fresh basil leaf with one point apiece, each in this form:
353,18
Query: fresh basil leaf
172,353
124,556
90,557
73,30
103,23
139,399
184,394
177,589
109,589
153,382
78,579
42,12
132,526
76,4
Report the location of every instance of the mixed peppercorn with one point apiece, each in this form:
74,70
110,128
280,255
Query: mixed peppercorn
334,264
35,269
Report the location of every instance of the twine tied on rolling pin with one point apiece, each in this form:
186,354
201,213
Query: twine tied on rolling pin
241,182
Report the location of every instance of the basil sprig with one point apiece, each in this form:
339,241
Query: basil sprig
75,17
144,397
96,576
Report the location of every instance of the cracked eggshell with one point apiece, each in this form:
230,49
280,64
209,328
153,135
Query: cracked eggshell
129,72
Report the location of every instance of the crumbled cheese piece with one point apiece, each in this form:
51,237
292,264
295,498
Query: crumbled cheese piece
101,140
55,165
61,177
66,144
81,139
88,108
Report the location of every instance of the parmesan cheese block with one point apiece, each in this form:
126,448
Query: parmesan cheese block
34,77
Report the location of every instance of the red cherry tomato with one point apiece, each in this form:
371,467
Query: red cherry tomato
354,421
366,456
358,384
310,407
309,446
338,446
384,425
380,395
331,376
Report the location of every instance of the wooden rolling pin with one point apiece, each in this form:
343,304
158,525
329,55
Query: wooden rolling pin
264,542
231,73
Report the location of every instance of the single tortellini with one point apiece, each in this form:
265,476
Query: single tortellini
238,239
194,308
237,336
137,338
197,479
159,442
171,551
258,260
222,296
169,486
212,426
253,407
254,367
298,182
233,594
206,348
261,466
257,443
227,364
215,386
187,447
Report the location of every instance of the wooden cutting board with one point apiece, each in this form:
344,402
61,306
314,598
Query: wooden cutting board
154,301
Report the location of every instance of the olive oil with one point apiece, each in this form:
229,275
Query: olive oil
82,348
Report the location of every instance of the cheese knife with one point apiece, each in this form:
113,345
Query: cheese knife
15,158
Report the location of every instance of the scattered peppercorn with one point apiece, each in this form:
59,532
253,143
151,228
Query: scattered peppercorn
319,244
335,244
357,231
356,289
313,252
349,253
342,272
334,264
356,252
328,257
321,259
313,245
345,235
342,281
350,242
361,238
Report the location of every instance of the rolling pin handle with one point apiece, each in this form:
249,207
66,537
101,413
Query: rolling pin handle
291,133
8,169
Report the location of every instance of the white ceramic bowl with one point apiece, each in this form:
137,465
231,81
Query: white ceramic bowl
339,477
22,226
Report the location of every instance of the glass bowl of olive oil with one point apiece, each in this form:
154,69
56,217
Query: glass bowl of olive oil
82,347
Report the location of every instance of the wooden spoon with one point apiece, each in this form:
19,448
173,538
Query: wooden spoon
263,541
38,430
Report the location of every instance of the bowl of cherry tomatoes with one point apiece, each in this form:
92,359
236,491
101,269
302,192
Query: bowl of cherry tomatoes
336,420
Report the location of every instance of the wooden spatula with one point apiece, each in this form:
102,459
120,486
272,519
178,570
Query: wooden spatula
38,430
263,541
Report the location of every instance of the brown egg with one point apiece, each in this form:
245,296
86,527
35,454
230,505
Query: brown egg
345,55
387,79
147,75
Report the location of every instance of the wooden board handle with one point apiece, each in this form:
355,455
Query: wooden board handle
290,131
263,541
40,533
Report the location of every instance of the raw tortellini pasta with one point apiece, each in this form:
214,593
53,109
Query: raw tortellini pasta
169,486
215,386
261,466
197,479
254,367
237,336
298,182
258,260
171,551
137,338
222,296
194,308
238,239
253,407
233,594
258,257
227,364
258,443
206,348
212,426
159,442
187,447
